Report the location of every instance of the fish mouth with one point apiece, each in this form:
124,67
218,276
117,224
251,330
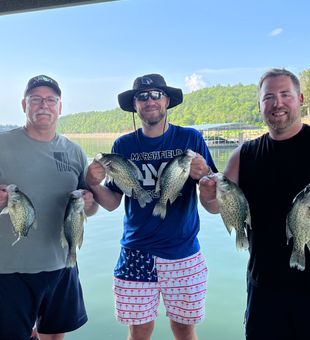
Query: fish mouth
98,157
11,188
76,193
190,153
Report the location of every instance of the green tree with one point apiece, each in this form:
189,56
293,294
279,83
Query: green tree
305,88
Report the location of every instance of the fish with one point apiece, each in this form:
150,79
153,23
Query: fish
234,209
72,232
298,227
21,211
172,180
126,176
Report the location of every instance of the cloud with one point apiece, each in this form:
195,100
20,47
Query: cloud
194,82
275,32
224,76
231,70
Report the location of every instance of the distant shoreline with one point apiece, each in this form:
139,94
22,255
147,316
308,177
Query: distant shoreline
110,135
114,135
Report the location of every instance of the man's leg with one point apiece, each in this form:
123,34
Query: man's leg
183,287
268,315
183,332
141,332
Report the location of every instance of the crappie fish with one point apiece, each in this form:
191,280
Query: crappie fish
172,180
73,229
234,209
298,227
126,176
21,212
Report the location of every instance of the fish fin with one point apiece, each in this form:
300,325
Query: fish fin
5,210
71,259
126,191
34,224
17,240
84,217
298,259
157,186
143,197
80,242
289,234
109,178
248,220
160,210
173,197
63,240
242,240
137,170
228,227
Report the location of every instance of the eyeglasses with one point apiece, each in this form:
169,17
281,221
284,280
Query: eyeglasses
153,94
37,100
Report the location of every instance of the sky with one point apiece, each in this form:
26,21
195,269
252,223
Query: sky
96,51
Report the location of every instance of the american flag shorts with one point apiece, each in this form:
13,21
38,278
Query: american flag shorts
182,284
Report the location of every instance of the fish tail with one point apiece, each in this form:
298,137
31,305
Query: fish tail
160,210
143,197
298,259
242,240
71,259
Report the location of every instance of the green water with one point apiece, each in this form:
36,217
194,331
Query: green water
226,295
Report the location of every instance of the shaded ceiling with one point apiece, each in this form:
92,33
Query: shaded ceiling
19,6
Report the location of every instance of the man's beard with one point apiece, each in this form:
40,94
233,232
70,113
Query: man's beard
281,124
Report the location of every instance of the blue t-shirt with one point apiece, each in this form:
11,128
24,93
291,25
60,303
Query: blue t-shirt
175,236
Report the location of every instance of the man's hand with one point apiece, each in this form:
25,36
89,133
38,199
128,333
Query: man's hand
3,196
90,205
95,174
199,167
207,194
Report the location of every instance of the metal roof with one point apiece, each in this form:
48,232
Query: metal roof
224,126
15,6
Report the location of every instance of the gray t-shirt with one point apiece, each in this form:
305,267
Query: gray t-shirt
46,172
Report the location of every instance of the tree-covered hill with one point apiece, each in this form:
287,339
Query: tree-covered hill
218,104
96,122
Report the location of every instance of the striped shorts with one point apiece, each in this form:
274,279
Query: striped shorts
182,284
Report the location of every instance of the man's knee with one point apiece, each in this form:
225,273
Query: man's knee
141,332
182,331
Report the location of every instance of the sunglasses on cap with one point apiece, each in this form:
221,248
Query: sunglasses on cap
153,94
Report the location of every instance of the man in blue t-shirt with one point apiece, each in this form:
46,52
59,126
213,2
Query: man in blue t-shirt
159,254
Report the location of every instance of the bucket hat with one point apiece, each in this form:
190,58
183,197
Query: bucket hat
147,82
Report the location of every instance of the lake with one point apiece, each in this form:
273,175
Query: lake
226,291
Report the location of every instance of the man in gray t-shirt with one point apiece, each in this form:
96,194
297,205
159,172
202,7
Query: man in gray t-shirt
35,284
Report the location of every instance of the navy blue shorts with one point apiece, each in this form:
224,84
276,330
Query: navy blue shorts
276,315
53,300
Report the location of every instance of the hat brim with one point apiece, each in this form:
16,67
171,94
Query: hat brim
125,99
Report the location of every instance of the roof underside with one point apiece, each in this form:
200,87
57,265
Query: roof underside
224,126
18,6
